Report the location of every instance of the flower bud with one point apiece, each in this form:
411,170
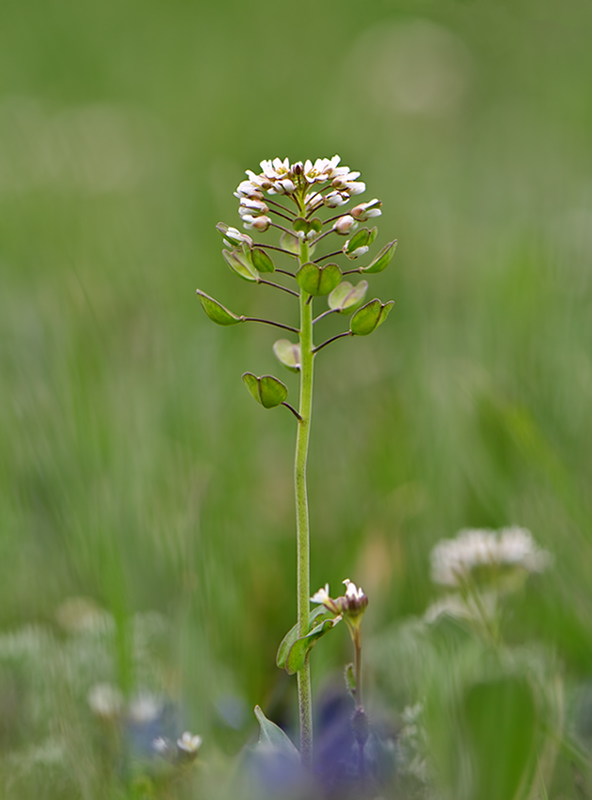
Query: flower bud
254,207
260,224
365,211
285,186
335,199
297,168
355,187
345,225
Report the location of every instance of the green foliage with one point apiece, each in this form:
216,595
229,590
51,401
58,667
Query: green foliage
294,650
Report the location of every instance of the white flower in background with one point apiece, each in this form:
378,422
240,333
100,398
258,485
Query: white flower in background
105,700
189,744
161,746
485,553
145,708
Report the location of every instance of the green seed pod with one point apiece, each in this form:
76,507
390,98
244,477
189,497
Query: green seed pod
369,317
261,261
240,263
301,225
288,354
267,390
216,311
382,260
318,280
346,298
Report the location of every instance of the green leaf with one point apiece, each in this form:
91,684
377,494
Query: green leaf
501,722
382,260
369,317
290,638
241,264
350,679
347,297
299,651
261,261
267,390
272,736
288,354
216,311
318,280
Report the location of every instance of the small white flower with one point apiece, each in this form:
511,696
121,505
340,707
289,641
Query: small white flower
189,743
248,189
313,201
233,237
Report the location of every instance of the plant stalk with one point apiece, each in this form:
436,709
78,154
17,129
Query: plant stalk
302,520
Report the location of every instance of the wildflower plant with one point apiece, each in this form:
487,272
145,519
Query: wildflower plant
305,204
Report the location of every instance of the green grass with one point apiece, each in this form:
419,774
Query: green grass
136,470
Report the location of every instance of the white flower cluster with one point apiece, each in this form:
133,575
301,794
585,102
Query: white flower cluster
454,561
323,183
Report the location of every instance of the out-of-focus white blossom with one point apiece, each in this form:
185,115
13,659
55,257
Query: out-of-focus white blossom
476,553
105,700
189,744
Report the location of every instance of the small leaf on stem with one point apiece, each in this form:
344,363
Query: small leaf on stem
272,736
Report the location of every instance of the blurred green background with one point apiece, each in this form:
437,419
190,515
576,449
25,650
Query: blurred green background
135,469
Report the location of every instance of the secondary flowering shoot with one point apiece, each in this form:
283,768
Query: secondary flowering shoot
350,606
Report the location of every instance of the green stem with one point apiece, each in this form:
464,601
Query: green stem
302,522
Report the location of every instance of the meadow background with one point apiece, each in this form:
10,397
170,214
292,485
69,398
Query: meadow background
135,470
